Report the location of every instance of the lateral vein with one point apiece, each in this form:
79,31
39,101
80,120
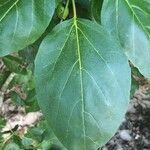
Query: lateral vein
8,10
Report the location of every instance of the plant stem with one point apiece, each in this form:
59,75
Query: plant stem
67,4
74,9
66,7
5,86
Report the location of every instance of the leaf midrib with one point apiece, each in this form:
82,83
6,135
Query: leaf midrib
81,78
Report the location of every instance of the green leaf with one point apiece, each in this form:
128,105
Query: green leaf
134,87
12,146
15,64
26,81
2,123
129,22
135,83
83,84
17,99
44,137
3,76
22,22
31,102
27,142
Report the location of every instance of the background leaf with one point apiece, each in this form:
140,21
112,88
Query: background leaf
15,64
28,54
85,3
22,22
12,146
78,72
96,6
129,22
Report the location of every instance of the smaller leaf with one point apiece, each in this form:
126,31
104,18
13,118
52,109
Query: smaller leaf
134,87
135,83
26,81
2,122
27,142
16,139
14,64
136,72
44,135
17,99
12,146
3,77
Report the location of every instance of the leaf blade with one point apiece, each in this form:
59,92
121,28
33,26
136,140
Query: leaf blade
77,94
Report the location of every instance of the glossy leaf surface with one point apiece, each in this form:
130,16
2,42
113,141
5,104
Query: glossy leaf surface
22,22
129,22
78,72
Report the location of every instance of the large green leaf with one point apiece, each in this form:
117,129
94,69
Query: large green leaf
22,22
83,84
129,21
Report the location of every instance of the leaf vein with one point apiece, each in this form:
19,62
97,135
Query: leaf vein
101,57
10,8
65,83
81,78
99,88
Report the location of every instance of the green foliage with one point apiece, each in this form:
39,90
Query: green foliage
135,83
129,22
3,77
73,69
62,11
14,64
12,146
37,138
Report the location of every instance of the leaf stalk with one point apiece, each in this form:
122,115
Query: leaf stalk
74,9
